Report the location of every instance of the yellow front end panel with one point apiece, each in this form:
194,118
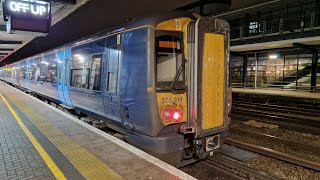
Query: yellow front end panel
173,24
213,81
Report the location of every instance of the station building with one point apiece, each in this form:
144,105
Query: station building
273,45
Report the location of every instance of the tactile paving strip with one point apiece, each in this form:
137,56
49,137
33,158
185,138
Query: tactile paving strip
86,163
18,157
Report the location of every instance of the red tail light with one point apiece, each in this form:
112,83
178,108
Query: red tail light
176,115
170,114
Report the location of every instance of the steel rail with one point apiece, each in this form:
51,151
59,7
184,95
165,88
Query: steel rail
306,113
282,111
284,125
310,108
222,171
272,138
239,167
296,120
274,154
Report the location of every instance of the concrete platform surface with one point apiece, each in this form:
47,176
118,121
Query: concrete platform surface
287,93
38,141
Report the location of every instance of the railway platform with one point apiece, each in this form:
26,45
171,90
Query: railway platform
38,141
295,98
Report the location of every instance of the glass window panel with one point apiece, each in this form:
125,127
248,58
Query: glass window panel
95,73
60,72
86,69
76,78
236,68
79,78
66,73
32,70
48,68
169,58
8,71
113,61
22,70
112,82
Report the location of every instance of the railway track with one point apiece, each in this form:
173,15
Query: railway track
273,153
234,169
272,120
280,113
311,111
297,119
276,139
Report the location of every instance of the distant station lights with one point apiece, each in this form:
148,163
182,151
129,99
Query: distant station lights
274,56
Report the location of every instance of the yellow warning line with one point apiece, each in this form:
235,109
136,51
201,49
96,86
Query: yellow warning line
47,159
86,163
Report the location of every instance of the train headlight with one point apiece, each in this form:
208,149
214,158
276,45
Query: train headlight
166,113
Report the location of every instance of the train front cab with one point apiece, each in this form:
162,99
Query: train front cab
191,87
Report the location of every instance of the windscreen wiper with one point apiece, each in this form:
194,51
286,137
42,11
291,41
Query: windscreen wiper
176,77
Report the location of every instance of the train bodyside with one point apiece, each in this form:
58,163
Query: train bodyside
119,77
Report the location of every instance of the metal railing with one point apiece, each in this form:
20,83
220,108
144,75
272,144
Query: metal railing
300,87
276,26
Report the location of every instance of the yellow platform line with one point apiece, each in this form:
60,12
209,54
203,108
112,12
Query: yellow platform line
47,159
85,162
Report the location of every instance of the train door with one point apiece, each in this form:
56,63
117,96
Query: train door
63,84
111,94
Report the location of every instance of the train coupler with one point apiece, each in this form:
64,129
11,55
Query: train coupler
205,147
212,143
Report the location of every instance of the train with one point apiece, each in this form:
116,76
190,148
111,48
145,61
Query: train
162,81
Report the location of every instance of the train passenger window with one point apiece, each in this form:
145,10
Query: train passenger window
80,78
80,71
22,70
48,68
86,65
14,73
169,58
66,72
34,70
113,62
36,66
95,81
60,74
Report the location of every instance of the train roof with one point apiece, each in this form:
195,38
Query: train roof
134,22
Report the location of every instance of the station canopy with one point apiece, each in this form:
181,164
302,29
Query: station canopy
13,41
74,21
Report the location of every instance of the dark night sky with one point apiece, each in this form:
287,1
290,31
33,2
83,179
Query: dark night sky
93,17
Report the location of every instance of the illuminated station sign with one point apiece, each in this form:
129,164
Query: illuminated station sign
27,15
36,9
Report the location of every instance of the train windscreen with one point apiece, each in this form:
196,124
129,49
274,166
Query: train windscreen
170,61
